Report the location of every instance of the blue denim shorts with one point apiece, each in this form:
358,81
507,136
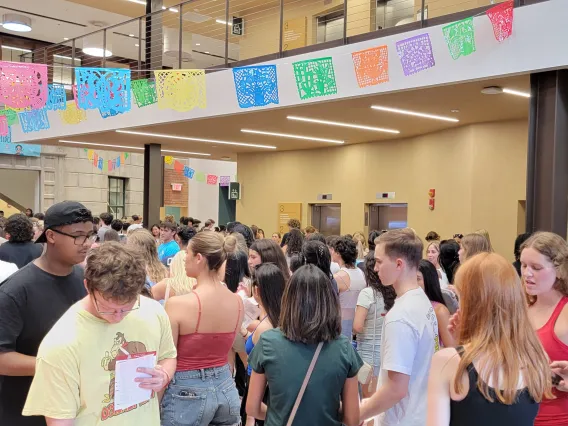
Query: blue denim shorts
201,398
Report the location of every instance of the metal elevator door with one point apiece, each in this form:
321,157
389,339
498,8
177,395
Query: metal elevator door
326,218
388,216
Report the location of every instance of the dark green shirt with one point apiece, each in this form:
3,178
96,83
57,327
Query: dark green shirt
285,365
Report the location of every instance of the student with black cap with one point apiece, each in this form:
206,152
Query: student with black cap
35,297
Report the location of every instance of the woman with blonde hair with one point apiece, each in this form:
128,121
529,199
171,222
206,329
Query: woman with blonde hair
485,233
146,245
544,269
362,249
433,256
473,244
499,372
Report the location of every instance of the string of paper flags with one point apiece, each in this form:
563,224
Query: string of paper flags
28,97
106,165
190,173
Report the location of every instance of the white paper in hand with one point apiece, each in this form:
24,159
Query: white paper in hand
127,392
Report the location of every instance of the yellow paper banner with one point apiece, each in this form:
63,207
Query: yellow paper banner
90,154
181,90
72,114
168,159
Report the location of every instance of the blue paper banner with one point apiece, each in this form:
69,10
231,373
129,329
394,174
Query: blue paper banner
188,172
106,89
256,86
34,120
56,99
21,149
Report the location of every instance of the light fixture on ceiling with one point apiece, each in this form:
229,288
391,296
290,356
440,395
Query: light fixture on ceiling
340,124
130,35
136,45
131,147
173,9
65,38
516,93
92,48
415,114
16,22
455,111
138,1
16,48
187,138
220,21
226,158
207,52
290,136
66,57
492,90
198,44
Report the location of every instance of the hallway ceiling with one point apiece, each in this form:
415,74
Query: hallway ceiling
473,106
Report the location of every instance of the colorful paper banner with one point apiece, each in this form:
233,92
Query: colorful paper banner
178,166
501,17
212,179
181,90
11,115
72,114
105,165
188,172
144,92
224,180
57,99
415,54
256,86
4,128
200,177
460,38
106,89
169,159
371,66
34,120
23,85
315,78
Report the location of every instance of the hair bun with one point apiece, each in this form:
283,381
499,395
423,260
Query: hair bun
230,245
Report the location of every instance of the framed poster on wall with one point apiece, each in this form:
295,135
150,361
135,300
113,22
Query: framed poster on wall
287,211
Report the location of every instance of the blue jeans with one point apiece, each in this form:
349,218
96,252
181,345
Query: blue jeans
201,398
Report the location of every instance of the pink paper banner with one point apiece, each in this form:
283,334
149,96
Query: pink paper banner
212,179
23,85
4,129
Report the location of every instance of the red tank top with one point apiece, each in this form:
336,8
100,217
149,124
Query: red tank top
553,412
197,351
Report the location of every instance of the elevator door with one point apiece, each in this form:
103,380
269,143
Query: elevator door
326,218
388,216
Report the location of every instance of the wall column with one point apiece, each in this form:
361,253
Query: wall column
154,33
153,183
547,168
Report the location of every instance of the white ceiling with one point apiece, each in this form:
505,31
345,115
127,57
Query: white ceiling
55,31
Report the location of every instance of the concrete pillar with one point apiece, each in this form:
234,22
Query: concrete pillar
547,168
153,183
154,36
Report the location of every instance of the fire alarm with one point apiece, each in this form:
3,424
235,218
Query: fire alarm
432,193
432,204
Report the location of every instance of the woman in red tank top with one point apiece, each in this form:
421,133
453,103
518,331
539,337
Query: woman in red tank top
204,324
544,269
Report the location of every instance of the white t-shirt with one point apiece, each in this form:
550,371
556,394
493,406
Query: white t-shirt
7,269
410,338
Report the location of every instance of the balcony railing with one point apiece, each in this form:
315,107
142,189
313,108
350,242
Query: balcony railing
217,34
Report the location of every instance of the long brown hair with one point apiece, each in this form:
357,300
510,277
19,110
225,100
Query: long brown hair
473,244
496,331
553,247
144,241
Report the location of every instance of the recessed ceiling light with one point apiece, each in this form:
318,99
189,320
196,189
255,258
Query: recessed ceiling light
492,90
163,7
198,44
516,93
136,45
65,38
226,158
454,111
101,144
206,52
138,1
130,147
130,35
415,114
173,9
220,21
98,52
16,22
287,135
340,124
16,48
186,138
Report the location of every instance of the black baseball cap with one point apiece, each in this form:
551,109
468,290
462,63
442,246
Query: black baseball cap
64,213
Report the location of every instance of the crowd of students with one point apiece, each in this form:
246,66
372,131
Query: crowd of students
296,329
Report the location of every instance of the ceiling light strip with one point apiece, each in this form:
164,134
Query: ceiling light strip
131,147
516,93
187,138
340,124
289,136
415,114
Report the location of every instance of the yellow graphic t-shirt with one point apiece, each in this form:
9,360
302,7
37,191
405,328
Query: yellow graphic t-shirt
76,361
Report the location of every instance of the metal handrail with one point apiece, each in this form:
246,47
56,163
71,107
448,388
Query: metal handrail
423,22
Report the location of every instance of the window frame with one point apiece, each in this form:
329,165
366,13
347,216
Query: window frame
114,208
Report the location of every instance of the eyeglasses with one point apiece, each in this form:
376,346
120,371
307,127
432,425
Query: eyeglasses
79,240
120,312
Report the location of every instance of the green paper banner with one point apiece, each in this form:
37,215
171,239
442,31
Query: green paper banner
315,78
460,38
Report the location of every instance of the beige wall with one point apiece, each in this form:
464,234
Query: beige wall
87,184
445,7
478,172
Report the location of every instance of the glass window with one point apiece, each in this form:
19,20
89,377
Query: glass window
116,196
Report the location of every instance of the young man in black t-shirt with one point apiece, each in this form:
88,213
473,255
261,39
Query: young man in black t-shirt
34,298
